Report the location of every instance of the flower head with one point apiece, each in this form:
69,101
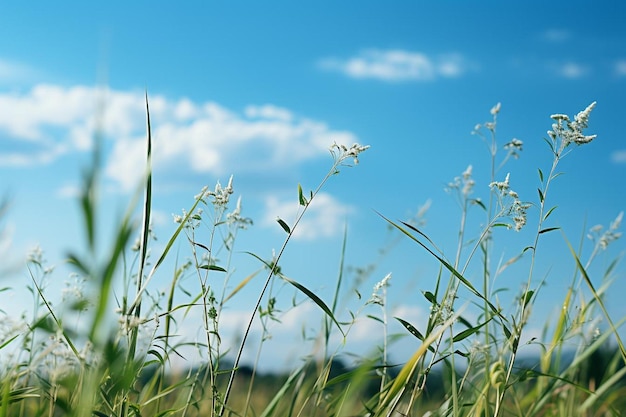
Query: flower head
341,152
571,131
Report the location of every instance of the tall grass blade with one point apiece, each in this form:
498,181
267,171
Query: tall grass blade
443,262
402,380
599,300
315,299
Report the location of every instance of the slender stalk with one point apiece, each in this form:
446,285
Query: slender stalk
343,154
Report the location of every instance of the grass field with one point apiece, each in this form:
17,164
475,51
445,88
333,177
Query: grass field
468,362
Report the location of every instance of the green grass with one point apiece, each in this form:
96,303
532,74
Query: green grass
469,360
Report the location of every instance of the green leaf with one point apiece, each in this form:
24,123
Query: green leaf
283,225
549,213
282,392
540,195
410,328
239,286
527,297
378,319
212,268
9,341
549,229
463,321
301,197
443,262
466,333
598,299
430,297
506,331
550,144
315,299
479,203
540,175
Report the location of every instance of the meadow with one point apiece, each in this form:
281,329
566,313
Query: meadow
118,362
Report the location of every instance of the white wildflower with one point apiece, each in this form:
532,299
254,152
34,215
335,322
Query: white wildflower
202,194
518,212
341,152
514,147
560,117
380,285
468,181
571,131
36,255
503,186
178,218
610,235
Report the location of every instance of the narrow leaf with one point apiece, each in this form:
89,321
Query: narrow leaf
430,297
501,225
527,297
549,229
212,268
411,328
540,175
597,297
468,332
315,299
401,382
479,203
549,213
269,410
444,263
506,331
242,284
378,319
301,197
283,225
540,195
9,341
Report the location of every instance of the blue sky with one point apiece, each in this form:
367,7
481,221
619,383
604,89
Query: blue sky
261,90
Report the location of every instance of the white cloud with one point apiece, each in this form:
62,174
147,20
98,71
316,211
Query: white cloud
12,71
269,112
69,191
570,70
556,35
397,65
619,157
187,135
620,68
325,216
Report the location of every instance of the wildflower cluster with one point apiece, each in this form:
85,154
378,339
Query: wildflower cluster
193,221
465,183
514,147
510,203
571,131
36,257
235,217
381,285
491,126
341,152
220,196
603,239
